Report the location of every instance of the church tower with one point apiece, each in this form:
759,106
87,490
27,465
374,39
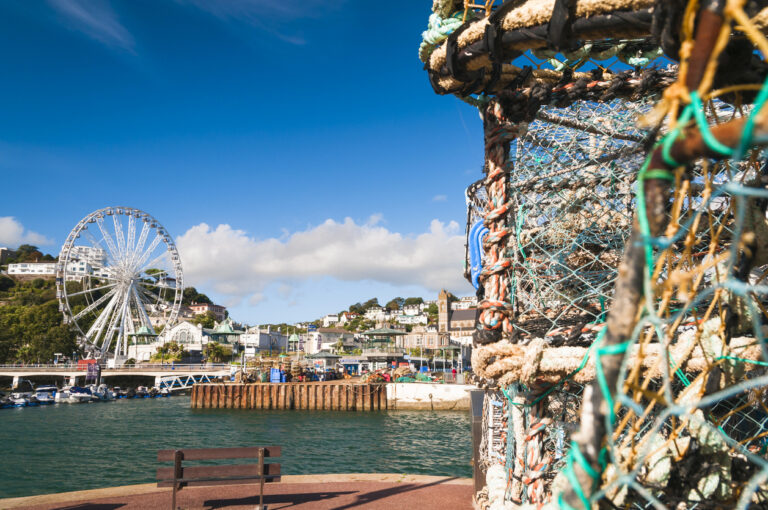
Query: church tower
443,313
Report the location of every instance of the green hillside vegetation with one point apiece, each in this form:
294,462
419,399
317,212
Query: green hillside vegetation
31,328
29,253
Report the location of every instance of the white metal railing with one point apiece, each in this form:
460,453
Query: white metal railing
187,367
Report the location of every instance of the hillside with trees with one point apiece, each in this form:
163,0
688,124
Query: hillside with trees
31,328
29,253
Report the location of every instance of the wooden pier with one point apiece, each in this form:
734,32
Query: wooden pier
317,396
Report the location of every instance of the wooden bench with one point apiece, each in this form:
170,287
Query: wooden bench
180,476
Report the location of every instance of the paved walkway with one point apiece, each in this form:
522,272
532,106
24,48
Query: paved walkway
322,492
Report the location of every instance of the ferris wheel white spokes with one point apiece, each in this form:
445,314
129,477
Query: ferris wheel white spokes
112,282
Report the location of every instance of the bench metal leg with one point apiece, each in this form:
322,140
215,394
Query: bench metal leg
177,456
261,479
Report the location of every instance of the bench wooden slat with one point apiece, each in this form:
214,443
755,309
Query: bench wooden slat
250,470
219,453
205,483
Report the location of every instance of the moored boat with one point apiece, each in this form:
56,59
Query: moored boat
46,394
62,395
20,399
79,395
21,396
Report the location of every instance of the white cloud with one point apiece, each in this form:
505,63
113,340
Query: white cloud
12,234
234,264
96,20
439,198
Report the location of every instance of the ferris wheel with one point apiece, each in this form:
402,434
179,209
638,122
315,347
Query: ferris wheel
116,286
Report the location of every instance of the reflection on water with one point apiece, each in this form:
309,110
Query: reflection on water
76,447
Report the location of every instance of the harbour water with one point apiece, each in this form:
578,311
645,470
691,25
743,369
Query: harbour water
85,446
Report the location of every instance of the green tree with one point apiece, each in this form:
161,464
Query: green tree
6,283
357,308
413,301
395,304
207,319
370,303
216,353
191,295
170,351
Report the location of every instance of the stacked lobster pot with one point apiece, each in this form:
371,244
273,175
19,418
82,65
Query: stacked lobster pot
618,244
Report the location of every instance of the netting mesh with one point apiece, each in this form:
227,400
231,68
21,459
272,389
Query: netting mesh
572,193
634,266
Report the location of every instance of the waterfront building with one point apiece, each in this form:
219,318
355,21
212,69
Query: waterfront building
327,339
425,338
192,337
256,341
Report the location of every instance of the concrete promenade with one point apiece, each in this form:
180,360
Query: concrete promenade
322,492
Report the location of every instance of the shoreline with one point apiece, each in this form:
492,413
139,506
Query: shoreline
150,489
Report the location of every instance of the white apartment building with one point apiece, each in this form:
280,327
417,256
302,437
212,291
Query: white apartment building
330,319
376,313
75,269
412,309
411,319
326,339
465,303
33,268
96,257
256,340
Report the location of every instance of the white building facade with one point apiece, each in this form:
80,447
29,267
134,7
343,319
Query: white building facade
326,339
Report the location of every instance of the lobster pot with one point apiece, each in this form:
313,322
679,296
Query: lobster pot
572,193
521,452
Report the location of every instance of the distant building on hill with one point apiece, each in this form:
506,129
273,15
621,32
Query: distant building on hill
5,254
220,312
347,317
76,270
465,303
96,257
330,320
376,313
457,324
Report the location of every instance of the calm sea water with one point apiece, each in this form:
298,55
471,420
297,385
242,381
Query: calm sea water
67,447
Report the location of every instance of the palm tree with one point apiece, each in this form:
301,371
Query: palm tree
215,352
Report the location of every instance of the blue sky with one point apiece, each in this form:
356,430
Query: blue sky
294,149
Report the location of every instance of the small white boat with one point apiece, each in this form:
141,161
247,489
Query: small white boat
62,395
79,395
165,392
20,399
46,394
22,394
142,392
103,392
